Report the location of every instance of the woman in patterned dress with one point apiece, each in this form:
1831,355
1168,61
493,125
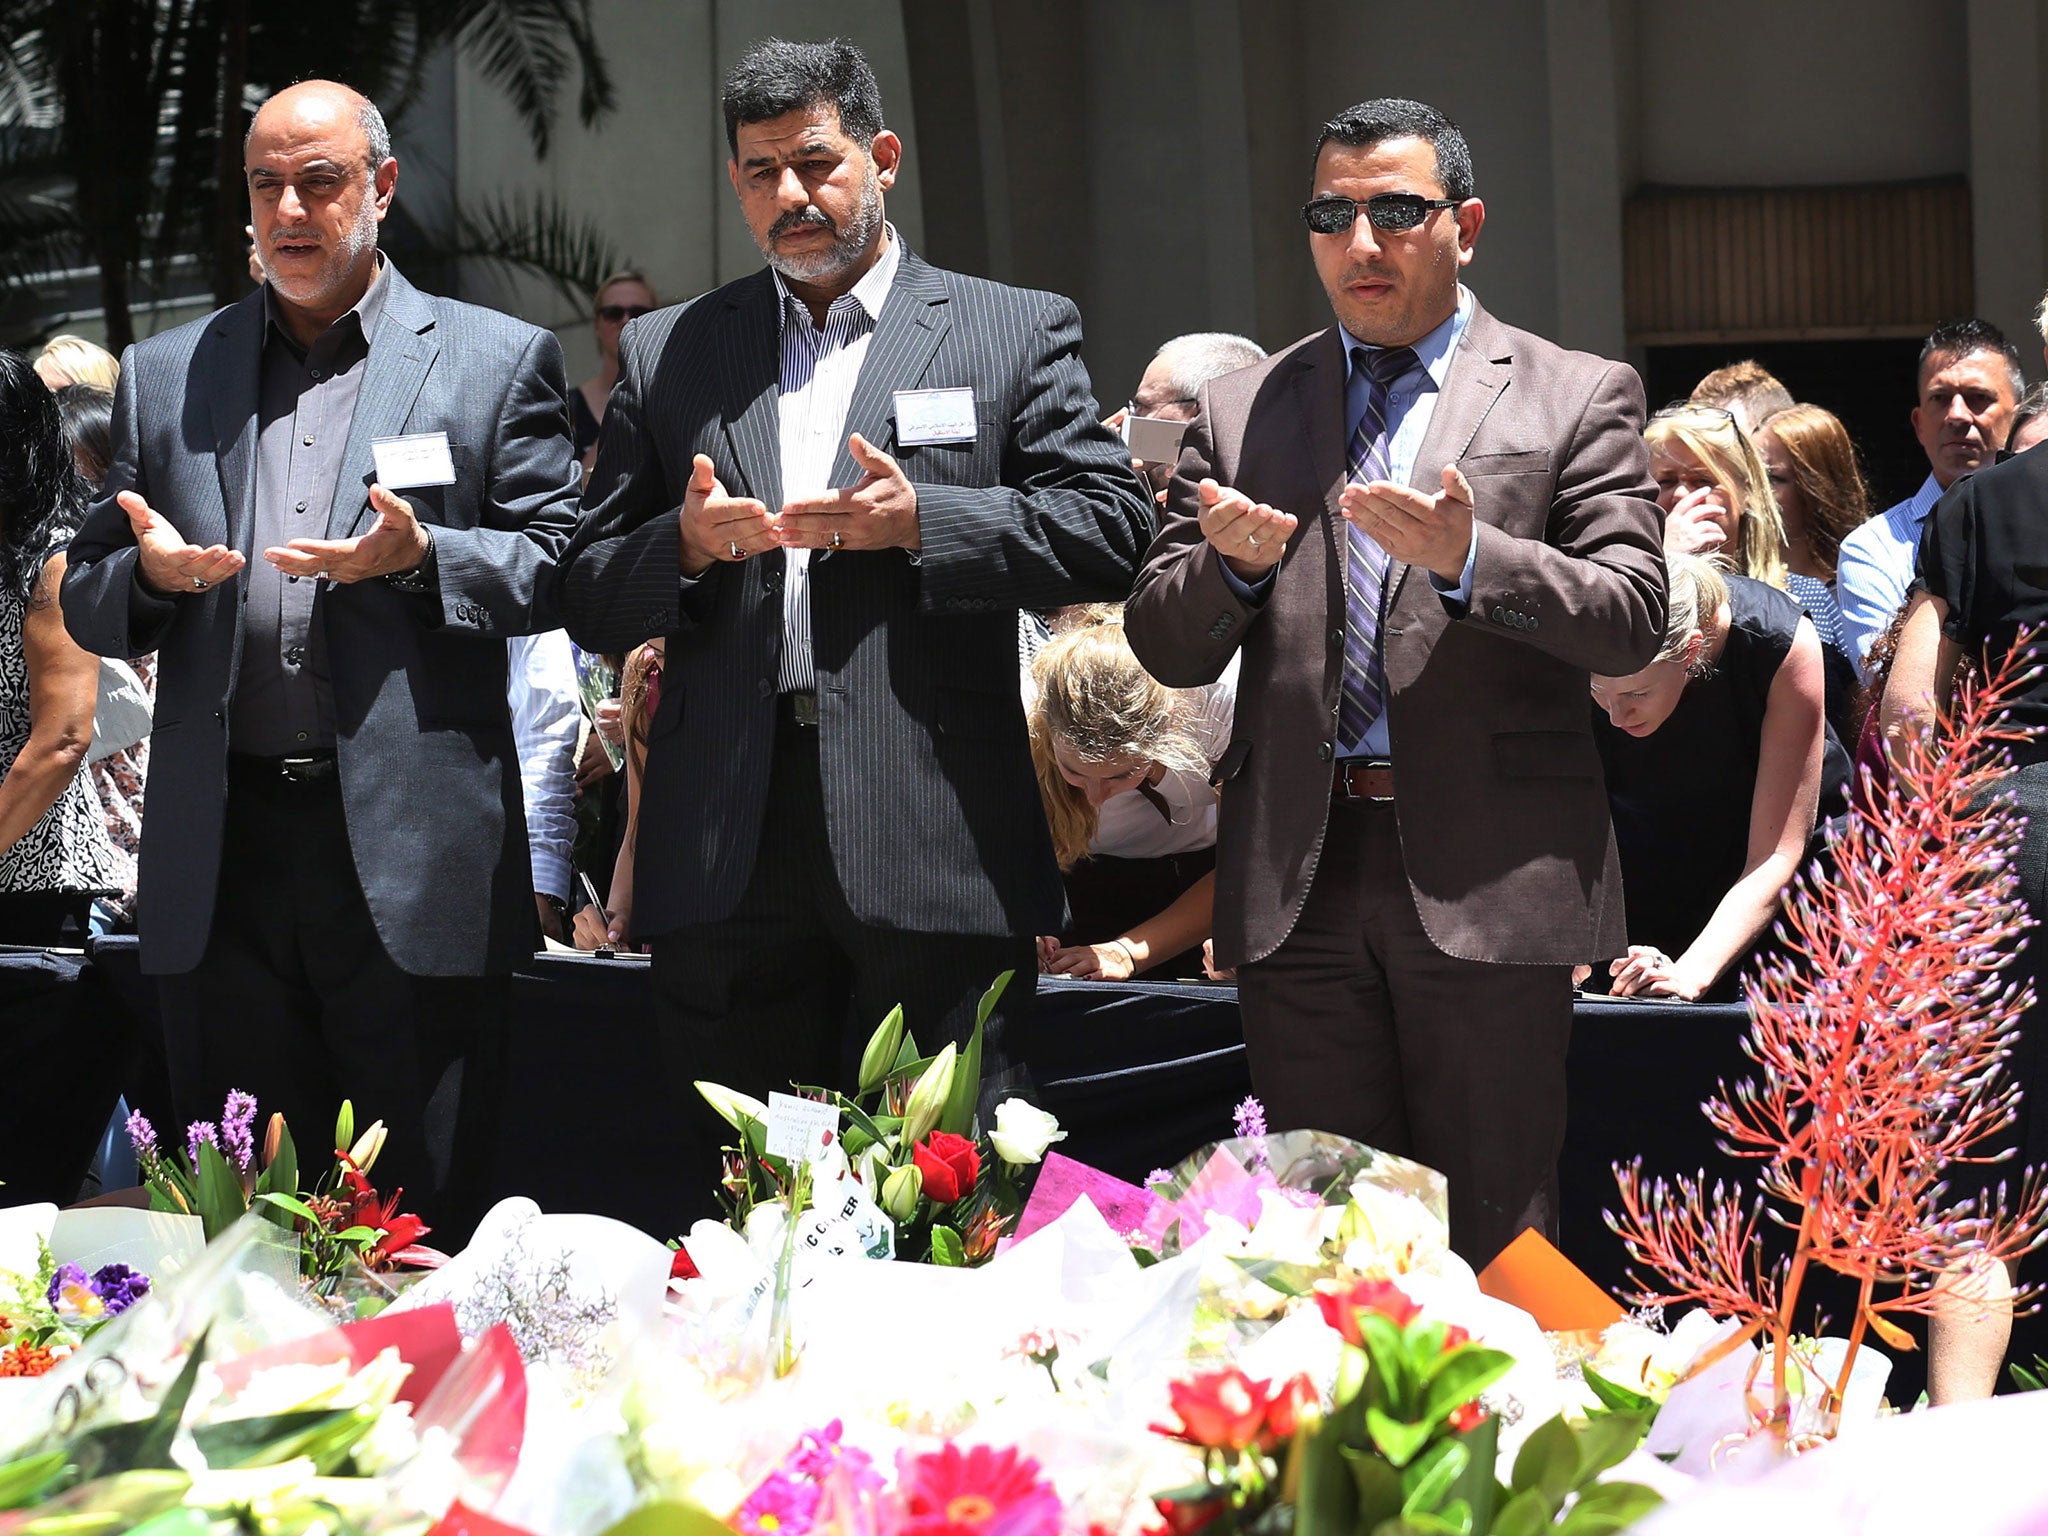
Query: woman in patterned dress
53,834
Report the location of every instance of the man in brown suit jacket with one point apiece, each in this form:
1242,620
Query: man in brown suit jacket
1414,846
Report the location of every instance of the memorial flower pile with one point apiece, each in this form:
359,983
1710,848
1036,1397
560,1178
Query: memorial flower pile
44,1316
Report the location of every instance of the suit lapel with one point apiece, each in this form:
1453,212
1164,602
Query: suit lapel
234,364
402,352
750,393
907,333
1481,367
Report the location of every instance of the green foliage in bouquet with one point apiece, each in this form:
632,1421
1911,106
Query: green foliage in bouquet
908,1137
344,1226
1406,1449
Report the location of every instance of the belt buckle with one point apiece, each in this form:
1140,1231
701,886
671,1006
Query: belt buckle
803,708
1362,766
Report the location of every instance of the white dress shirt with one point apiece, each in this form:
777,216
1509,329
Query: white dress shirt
819,369
546,719
1874,568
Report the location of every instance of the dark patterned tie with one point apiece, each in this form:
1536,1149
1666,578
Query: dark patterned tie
1365,563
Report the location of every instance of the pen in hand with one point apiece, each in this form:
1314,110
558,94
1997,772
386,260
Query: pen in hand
609,947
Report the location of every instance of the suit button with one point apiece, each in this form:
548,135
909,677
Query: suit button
1532,622
764,687
1324,751
1500,614
1336,637
296,656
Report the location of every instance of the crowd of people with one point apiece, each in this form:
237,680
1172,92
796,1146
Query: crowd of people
830,645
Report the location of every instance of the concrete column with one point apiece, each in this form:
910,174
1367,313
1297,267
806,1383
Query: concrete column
1586,159
2007,166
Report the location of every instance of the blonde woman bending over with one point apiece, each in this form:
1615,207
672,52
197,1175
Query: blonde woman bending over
1123,767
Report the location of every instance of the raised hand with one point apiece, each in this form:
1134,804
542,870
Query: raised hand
716,525
878,513
395,543
1250,536
1434,532
1697,523
170,564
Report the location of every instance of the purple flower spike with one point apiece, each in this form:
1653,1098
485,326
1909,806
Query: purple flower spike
198,1133
238,1128
141,1134
1251,1118
1158,1176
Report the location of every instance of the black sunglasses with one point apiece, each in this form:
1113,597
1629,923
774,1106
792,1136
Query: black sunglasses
618,314
1394,212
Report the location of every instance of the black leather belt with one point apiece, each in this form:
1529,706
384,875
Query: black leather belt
1364,778
313,768
797,709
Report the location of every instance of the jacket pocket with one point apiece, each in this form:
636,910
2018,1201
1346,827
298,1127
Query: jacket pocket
1529,462
1546,755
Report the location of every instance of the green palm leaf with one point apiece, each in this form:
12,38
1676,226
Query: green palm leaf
537,236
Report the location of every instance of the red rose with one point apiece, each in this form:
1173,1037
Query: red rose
1341,1308
1221,1409
681,1266
950,1166
1471,1416
1290,1405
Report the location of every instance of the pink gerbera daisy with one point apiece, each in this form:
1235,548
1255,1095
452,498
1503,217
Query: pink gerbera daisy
978,1492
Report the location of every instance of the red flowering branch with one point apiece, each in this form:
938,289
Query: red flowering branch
1880,1044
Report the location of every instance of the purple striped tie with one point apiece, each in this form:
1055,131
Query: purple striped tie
1365,563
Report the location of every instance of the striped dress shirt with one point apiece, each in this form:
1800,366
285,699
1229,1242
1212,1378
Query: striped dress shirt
820,366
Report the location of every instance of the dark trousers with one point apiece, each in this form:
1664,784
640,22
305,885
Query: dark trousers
297,1002
1359,1025
788,988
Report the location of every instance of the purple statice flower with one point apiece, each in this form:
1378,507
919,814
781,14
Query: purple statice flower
1251,1118
238,1128
198,1133
1158,1176
141,1134
784,1505
119,1287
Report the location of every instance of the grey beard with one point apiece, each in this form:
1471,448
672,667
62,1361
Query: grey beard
846,248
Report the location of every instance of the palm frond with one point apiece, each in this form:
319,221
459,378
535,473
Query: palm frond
28,91
526,48
537,236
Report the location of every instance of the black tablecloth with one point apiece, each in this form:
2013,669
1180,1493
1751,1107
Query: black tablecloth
1139,1074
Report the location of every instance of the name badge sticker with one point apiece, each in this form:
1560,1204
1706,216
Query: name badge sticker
407,463
935,416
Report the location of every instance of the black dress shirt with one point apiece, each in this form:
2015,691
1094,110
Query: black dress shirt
306,399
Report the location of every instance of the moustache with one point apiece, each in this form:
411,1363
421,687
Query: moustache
801,218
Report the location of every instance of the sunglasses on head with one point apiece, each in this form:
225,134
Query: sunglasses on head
1394,212
619,314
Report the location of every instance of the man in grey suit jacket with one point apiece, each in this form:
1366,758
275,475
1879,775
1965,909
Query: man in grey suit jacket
329,505
838,806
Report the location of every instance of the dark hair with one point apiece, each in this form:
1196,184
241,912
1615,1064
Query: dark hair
41,495
1394,117
88,416
776,76
2032,407
1961,338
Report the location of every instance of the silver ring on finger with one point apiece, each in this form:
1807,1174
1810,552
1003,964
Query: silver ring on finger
199,585
737,552
1252,539
837,542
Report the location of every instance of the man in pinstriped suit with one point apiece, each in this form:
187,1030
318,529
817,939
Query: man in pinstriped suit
832,485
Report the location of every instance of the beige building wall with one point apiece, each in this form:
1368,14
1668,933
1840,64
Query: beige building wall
1149,157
